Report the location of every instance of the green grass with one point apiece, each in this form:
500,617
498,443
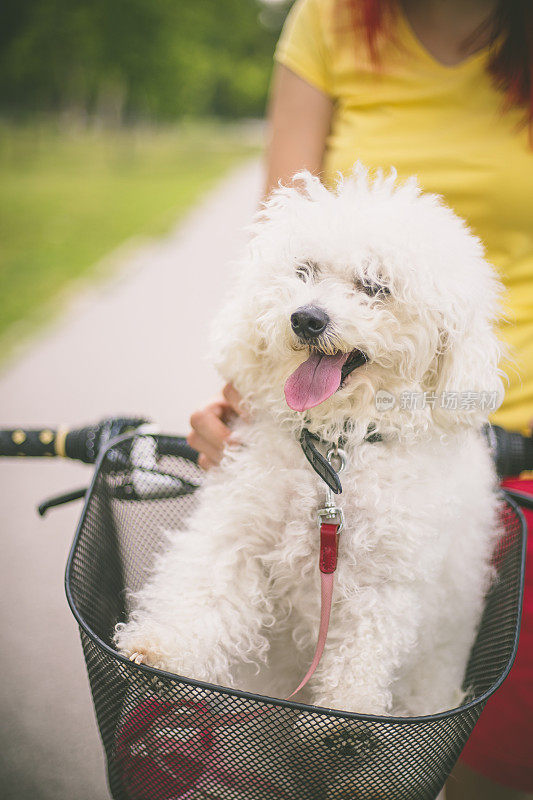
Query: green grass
68,198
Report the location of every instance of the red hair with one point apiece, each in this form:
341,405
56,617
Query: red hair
508,32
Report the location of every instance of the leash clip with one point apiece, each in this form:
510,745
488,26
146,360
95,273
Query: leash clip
330,511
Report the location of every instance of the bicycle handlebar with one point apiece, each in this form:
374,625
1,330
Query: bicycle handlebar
512,452
142,477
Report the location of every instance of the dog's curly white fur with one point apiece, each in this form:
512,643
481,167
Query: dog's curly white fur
420,505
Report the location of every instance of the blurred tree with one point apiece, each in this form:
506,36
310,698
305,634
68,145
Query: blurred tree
120,60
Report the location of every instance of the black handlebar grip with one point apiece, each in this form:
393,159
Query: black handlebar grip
176,446
63,442
512,452
81,444
30,442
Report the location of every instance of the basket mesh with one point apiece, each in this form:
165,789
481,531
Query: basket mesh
167,738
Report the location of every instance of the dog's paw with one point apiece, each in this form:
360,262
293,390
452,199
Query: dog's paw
140,646
346,748
158,686
337,738
136,657
147,655
347,741
144,656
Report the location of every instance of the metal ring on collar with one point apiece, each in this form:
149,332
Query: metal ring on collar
339,455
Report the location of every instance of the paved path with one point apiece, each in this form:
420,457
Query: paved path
137,344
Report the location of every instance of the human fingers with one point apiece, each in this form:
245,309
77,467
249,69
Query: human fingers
209,430
213,453
235,401
204,462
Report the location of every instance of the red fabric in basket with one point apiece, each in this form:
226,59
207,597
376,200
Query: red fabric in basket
150,767
166,751
501,746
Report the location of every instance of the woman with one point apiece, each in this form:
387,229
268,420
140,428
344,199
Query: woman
441,89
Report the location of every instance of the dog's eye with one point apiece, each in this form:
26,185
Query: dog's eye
307,270
371,288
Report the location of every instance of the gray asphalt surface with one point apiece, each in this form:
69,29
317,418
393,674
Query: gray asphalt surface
137,344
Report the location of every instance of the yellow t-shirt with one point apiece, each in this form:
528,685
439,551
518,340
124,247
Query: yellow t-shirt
443,124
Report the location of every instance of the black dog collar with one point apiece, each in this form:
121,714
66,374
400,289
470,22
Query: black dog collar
321,466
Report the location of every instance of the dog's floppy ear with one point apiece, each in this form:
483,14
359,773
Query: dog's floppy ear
463,385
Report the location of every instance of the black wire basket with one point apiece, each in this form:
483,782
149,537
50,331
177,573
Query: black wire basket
173,738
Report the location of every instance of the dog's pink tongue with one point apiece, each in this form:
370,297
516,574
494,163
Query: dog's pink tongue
314,381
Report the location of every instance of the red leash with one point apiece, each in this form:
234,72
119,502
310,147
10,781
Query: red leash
329,537
328,565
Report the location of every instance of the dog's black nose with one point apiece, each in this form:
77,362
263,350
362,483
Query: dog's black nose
309,321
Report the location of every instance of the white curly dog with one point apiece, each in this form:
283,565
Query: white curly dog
364,315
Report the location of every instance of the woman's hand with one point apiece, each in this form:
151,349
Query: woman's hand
210,431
